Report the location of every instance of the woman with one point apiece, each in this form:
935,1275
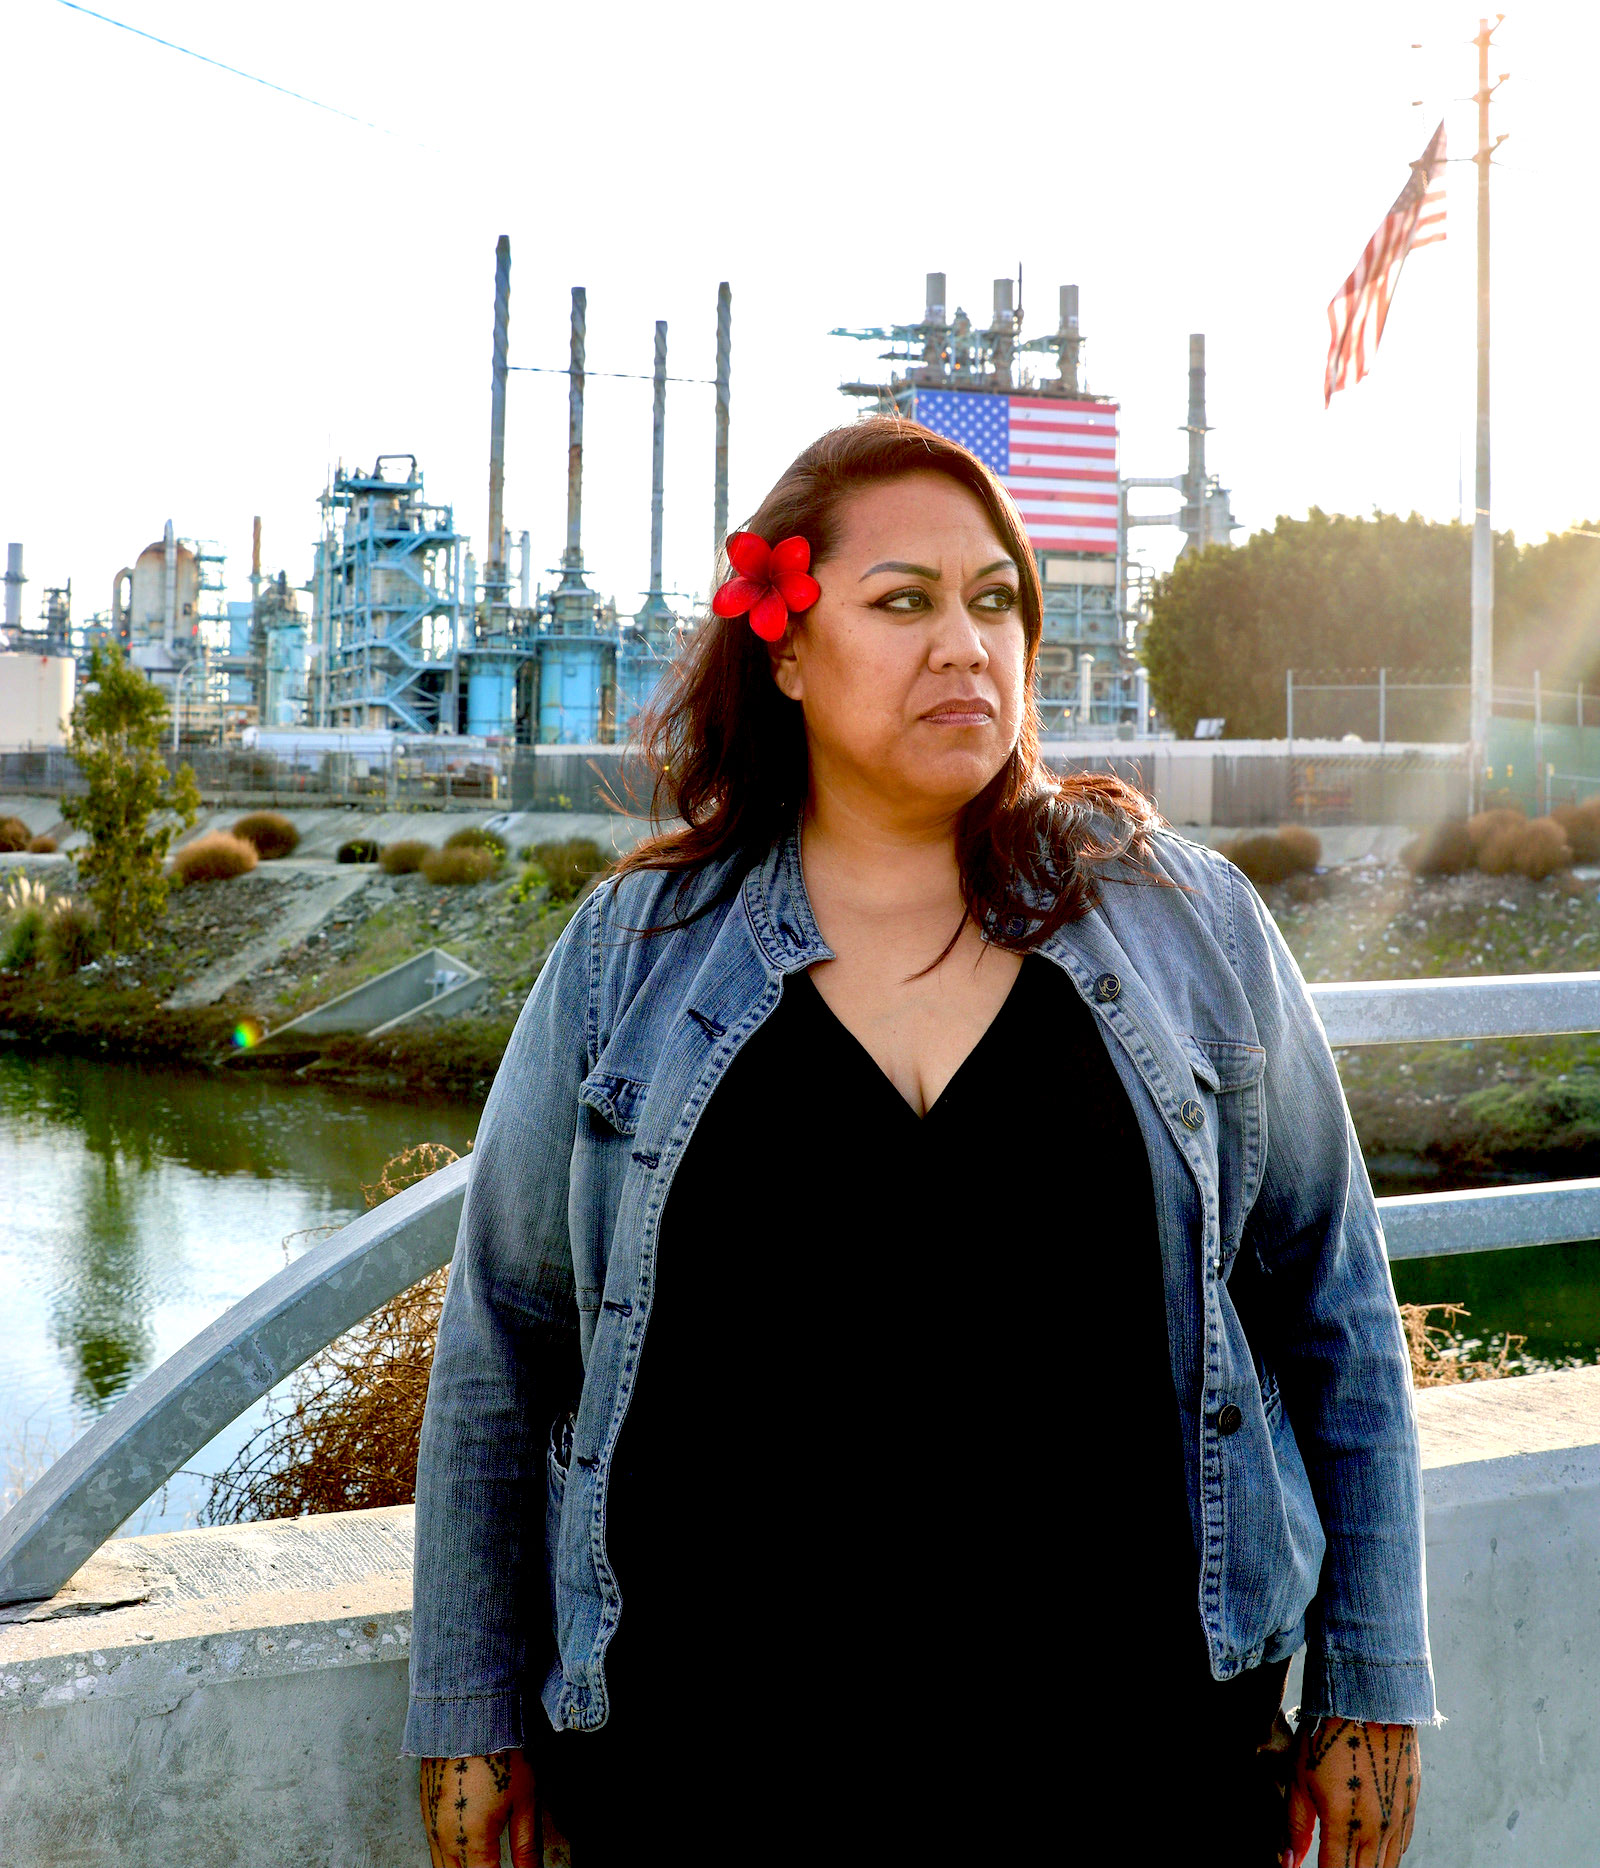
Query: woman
920,1354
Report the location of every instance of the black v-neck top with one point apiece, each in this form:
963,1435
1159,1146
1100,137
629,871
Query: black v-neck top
847,1477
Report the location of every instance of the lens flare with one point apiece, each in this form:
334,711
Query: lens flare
246,1036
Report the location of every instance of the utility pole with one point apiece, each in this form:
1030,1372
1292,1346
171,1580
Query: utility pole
1482,530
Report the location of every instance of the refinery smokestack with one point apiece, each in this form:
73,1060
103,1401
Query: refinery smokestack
724,362
1194,481
1003,332
572,557
14,582
658,457
1069,339
496,577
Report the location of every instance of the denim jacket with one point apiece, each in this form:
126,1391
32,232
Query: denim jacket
1287,1353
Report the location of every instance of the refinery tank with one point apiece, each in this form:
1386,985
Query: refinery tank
36,694
575,690
639,671
147,600
492,695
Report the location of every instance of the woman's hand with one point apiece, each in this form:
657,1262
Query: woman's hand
1361,1782
468,1802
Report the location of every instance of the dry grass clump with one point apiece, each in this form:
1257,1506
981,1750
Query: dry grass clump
475,837
1535,848
568,865
71,937
1437,1349
357,850
1581,822
216,857
403,858
453,868
14,836
271,833
1274,855
346,1439
1486,824
1446,849
42,846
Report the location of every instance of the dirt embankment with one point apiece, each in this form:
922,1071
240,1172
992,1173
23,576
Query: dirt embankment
295,955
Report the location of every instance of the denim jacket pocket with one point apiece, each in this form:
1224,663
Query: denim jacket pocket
1228,1076
616,1100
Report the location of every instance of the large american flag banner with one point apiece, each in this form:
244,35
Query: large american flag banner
1056,457
1356,315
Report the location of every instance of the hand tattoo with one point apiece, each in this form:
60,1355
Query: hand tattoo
1387,1762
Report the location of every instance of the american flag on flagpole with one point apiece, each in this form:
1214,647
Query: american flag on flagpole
1055,455
1357,313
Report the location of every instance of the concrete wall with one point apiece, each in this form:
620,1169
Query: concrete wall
237,1695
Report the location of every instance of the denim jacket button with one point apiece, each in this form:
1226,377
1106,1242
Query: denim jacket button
1107,987
1194,1117
1230,1420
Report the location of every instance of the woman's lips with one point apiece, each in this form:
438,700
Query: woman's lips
964,712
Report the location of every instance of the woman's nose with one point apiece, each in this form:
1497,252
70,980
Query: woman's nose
958,642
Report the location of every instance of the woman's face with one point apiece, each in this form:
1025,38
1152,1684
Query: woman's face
909,668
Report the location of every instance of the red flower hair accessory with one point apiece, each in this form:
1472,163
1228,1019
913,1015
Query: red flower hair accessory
772,582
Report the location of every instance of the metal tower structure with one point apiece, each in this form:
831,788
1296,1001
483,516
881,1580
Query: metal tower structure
388,603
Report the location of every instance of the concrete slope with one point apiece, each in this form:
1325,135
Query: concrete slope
302,913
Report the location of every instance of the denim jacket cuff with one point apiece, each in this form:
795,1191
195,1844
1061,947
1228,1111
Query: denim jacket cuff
1376,1692
465,1725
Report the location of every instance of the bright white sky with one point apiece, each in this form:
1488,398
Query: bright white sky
208,291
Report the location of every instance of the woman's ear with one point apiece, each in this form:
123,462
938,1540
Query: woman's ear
786,666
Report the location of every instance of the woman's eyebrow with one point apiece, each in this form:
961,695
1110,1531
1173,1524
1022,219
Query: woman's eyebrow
1000,564
894,564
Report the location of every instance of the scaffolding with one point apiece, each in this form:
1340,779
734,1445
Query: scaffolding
388,604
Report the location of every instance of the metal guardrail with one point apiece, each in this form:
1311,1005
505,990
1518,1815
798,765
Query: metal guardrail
133,1450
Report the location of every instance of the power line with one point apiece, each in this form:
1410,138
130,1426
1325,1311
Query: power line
233,70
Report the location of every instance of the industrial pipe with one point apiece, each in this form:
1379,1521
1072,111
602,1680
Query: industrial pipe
495,575
14,582
1069,339
1194,490
169,625
724,359
658,457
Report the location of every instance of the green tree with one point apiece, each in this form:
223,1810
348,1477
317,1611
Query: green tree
1317,594
117,729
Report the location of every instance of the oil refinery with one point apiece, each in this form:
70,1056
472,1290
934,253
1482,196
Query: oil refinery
404,636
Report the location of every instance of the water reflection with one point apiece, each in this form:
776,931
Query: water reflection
137,1204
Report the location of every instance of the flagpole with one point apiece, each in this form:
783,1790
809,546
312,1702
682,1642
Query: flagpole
1482,529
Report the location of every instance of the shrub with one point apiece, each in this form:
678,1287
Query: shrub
1581,822
41,846
454,867
403,858
1445,850
271,833
24,908
215,857
1302,845
358,850
345,1438
71,937
474,837
1274,855
568,865
1487,823
1534,849
14,836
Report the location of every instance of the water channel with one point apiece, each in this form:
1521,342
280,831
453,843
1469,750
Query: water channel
138,1204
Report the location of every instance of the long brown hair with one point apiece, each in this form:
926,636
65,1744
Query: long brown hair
726,748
